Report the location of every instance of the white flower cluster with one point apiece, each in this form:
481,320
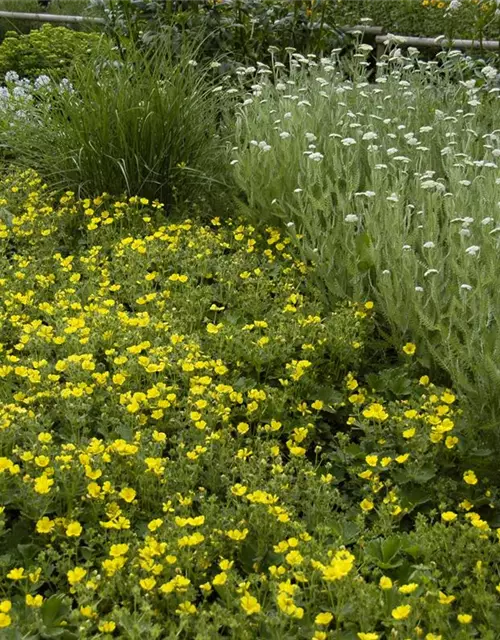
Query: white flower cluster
17,93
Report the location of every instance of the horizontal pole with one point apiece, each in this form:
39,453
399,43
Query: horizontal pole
364,29
440,43
49,17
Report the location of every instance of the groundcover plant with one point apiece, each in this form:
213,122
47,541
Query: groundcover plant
189,448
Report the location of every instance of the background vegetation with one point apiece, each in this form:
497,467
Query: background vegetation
472,19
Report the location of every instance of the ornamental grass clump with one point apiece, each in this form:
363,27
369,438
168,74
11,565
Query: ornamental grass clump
392,189
144,124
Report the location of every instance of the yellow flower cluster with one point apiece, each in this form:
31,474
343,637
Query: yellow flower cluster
162,422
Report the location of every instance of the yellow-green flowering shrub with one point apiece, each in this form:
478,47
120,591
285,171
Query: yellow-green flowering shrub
187,451
46,50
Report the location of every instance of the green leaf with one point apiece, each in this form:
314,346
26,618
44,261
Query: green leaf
423,474
52,609
59,632
28,551
384,552
376,382
346,530
412,496
390,547
328,395
364,252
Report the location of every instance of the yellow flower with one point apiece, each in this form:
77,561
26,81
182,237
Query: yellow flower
74,529
107,627
16,574
45,525
368,636
318,405
409,349
340,565
385,583
186,608
448,516
371,460
236,534
401,612
249,604
470,477
408,588
433,636
323,618
118,379
242,428
43,484
450,442
5,606
464,618
155,524
214,328
42,461
147,583
118,550
376,411
366,505
5,620
409,433
448,397
34,601
127,494
76,575
220,579
294,558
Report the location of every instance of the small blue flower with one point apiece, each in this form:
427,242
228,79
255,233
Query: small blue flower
42,81
11,76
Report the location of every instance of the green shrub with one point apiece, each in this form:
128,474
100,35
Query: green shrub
141,124
392,190
49,50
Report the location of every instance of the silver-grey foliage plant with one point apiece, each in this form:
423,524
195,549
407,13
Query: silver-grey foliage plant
391,189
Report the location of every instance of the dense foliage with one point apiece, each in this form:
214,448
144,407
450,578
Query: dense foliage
49,49
243,30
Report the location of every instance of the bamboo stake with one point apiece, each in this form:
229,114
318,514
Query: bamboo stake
439,42
49,17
